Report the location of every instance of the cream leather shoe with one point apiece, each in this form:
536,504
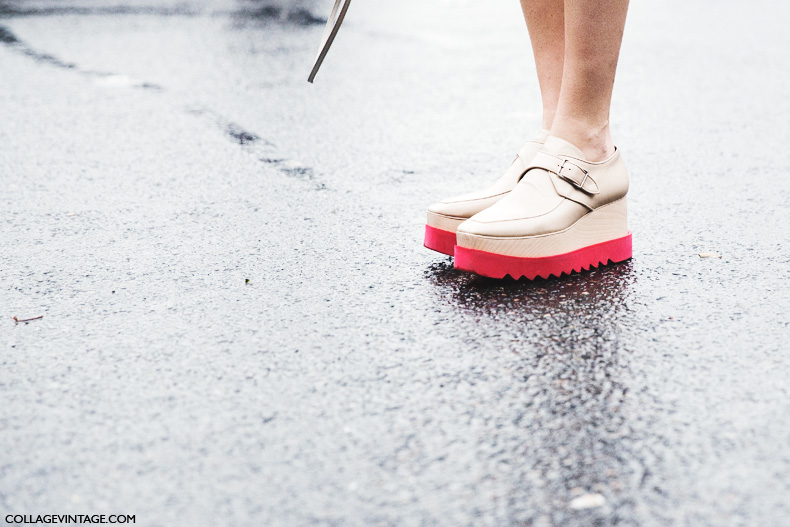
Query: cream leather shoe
565,214
445,216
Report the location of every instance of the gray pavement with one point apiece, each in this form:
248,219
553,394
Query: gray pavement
240,326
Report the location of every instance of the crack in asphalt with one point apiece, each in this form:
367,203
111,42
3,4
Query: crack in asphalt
7,10
262,149
8,38
260,10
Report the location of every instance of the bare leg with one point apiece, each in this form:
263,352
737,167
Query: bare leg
593,33
546,24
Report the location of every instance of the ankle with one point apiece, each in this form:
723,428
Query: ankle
548,118
594,140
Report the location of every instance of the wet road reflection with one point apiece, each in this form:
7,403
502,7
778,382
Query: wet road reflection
608,285
571,378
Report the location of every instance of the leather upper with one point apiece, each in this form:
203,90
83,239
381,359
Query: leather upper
469,204
555,190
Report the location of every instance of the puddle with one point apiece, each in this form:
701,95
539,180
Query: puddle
293,12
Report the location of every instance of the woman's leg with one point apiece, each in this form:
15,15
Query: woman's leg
546,24
593,33
567,212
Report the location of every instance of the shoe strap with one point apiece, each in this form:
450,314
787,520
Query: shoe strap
567,168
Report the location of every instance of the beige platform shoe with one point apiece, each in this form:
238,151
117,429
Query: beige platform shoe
445,216
565,214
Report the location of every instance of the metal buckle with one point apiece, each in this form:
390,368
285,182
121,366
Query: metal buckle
568,178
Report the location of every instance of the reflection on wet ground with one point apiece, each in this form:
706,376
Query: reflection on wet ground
567,337
571,366
595,292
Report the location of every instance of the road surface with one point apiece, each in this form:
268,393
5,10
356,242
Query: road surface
240,326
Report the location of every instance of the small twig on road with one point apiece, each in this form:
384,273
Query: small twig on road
26,320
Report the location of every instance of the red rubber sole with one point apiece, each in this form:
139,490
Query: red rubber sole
439,240
498,265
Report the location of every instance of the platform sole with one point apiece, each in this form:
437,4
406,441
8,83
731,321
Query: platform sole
439,240
495,265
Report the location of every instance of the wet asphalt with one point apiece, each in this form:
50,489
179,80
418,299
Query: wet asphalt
240,326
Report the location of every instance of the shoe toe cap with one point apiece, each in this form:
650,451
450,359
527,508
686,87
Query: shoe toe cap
464,206
474,227
447,208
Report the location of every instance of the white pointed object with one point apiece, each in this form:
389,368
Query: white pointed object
332,26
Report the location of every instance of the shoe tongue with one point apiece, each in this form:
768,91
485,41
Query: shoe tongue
555,145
